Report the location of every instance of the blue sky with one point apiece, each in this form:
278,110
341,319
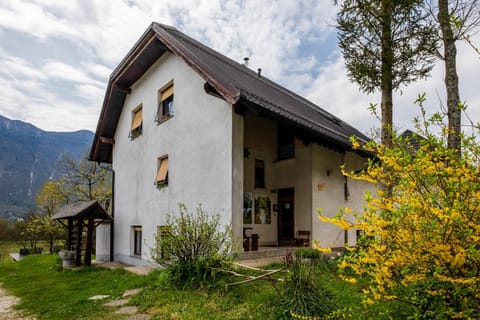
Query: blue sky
56,56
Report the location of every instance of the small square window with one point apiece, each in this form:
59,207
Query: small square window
137,123
137,241
285,143
259,173
165,104
162,172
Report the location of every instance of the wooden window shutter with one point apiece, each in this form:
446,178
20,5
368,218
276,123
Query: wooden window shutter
137,119
167,93
162,171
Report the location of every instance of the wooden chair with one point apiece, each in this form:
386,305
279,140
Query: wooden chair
303,238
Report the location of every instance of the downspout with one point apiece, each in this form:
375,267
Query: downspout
112,229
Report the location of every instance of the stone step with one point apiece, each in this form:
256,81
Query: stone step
266,252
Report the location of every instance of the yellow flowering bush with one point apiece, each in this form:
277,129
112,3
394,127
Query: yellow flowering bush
421,229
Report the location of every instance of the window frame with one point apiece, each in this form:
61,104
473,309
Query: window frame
285,143
166,103
161,179
136,130
137,241
259,183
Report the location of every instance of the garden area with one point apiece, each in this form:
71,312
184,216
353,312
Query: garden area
49,292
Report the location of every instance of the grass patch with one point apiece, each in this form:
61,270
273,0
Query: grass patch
7,247
47,292
255,300
50,293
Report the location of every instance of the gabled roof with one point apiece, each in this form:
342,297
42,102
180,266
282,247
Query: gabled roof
82,209
234,82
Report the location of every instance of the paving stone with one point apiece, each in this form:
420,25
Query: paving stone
127,310
116,303
140,316
131,292
6,307
99,297
141,270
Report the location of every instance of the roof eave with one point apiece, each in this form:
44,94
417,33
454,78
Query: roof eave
230,93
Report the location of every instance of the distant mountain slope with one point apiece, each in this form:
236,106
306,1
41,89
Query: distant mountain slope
28,157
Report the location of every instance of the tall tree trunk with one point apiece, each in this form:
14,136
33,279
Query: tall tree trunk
451,78
387,73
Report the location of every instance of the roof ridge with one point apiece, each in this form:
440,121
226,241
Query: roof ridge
329,116
217,54
331,131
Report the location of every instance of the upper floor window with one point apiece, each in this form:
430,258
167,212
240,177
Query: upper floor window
162,172
259,173
165,103
137,122
285,143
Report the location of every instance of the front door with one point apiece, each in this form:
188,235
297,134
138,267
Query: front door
286,234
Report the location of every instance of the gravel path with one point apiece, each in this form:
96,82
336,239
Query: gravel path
6,304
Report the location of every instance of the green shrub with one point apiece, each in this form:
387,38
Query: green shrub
57,248
34,250
307,253
321,261
191,245
304,294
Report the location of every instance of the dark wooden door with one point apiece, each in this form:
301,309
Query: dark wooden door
286,216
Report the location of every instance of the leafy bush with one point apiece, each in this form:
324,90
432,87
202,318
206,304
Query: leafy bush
57,248
191,244
421,242
307,253
304,295
34,250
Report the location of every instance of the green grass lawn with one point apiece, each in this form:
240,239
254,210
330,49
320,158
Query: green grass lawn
7,247
48,292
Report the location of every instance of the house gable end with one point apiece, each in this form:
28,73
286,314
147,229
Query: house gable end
229,80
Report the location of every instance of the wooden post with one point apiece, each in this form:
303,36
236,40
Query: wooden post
69,236
88,249
78,254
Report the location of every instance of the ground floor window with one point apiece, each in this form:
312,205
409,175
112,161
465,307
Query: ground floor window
137,241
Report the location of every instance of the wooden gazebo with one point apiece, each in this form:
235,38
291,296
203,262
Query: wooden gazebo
77,217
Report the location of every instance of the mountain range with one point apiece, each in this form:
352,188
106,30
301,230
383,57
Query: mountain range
30,156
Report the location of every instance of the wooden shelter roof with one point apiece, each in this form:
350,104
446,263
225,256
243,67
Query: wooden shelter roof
82,209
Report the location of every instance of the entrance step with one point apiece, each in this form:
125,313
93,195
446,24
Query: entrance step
266,252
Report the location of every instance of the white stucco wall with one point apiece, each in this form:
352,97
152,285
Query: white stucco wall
328,193
297,173
354,162
199,144
261,141
102,242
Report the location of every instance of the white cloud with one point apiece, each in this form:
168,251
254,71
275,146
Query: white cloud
282,37
91,93
14,67
34,19
333,91
97,70
59,70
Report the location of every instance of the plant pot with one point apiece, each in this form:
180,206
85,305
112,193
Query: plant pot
68,258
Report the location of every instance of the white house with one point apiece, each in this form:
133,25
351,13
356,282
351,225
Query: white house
182,123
